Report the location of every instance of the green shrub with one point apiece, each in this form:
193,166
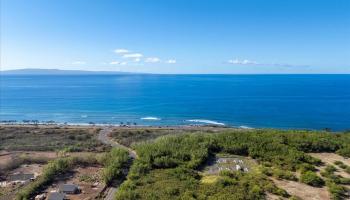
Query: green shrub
114,163
337,191
347,169
306,167
338,162
345,151
266,170
330,169
284,174
344,181
311,178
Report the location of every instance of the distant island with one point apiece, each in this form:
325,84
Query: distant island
34,71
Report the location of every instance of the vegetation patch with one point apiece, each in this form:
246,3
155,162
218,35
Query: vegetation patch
169,167
209,179
311,178
131,136
33,138
115,162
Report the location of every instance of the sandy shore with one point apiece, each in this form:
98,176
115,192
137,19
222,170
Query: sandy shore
190,127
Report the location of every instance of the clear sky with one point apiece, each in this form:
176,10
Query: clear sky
177,36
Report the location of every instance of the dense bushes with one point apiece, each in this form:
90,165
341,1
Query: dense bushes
345,151
284,149
165,167
266,146
184,183
169,152
114,163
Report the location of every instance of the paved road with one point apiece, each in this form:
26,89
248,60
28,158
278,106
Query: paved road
110,193
103,136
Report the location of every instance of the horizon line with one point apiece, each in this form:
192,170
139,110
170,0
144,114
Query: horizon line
144,73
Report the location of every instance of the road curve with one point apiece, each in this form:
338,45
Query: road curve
103,136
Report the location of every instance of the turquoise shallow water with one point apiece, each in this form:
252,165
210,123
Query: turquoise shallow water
273,101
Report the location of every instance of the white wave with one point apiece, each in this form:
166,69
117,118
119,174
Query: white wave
205,121
245,127
151,118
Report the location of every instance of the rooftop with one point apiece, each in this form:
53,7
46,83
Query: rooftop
68,188
56,196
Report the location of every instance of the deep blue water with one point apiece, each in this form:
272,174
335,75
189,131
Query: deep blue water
276,101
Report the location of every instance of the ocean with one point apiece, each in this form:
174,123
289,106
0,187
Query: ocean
256,101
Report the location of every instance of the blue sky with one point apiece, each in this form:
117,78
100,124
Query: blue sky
177,36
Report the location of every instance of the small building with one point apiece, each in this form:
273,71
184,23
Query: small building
56,196
68,189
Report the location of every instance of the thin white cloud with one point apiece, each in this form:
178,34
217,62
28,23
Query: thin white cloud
121,51
118,63
138,58
152,60
250,62
242,62
133,55
171,61
79,63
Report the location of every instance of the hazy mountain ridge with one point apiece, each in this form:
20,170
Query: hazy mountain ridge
35,71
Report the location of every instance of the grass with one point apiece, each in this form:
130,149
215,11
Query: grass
209,179
20,160
32,138
129,136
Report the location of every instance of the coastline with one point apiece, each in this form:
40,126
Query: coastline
87,125
191,123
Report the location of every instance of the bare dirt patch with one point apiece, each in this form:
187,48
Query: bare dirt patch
302,190
329,159
35,169
5,158
270,196
228,162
